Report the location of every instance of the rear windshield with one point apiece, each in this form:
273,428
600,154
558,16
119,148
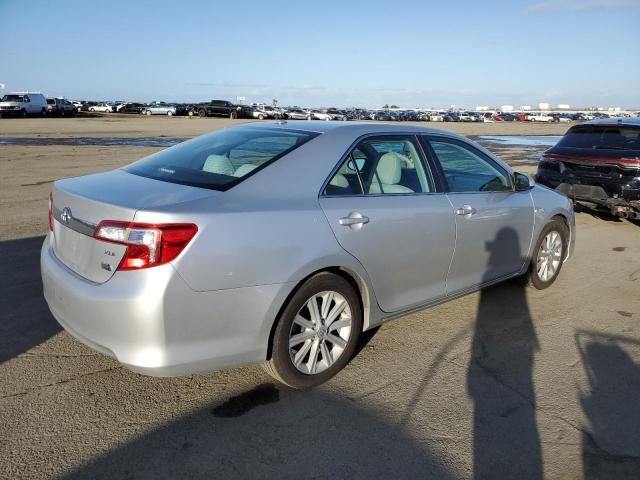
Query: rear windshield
602,137
221,159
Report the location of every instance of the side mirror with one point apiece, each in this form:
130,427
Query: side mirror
524,182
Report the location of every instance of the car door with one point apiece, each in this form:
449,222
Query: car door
386,210
494,222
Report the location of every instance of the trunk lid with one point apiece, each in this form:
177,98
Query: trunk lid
80,204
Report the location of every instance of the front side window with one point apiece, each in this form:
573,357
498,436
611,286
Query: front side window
389,164
221,159
467,169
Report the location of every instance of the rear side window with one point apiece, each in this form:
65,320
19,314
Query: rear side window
602,137
382,165
221,159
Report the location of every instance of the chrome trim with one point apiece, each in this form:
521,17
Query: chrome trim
75,224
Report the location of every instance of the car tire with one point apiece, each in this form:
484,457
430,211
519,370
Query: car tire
318,357
147,113
260,117
202,113
233,115
169,114
23,112
551,247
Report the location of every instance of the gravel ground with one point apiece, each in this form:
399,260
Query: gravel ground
555,393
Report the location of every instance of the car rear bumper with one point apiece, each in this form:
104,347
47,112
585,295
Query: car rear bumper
154,324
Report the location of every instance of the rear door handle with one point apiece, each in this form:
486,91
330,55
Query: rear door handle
354,221
466,210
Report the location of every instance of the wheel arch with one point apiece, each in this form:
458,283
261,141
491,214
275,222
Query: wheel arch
358,283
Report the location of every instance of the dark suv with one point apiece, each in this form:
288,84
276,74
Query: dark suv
222,108
597,162
60,106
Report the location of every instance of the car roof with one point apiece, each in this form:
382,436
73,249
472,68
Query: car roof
634,122
356,128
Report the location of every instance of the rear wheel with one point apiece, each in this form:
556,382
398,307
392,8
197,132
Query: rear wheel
202,113
317,332
233,114
548,255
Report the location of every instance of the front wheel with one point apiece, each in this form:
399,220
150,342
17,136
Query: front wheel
317,332
233,115
548,255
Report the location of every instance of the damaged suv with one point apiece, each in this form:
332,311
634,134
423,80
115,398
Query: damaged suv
597,163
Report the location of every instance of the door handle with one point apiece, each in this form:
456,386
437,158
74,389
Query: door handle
466,210
354,221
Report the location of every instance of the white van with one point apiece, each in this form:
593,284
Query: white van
23,104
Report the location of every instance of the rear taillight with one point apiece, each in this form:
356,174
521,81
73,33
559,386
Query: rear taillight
148,245
51,211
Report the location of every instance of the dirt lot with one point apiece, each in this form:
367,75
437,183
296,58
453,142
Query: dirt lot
557,395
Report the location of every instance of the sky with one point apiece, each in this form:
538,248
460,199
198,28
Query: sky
327,53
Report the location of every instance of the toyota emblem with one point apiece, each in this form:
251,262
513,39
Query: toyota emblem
66,215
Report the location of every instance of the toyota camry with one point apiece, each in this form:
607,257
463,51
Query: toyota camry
280,243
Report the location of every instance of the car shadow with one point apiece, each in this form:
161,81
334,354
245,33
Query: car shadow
611,444
271,432
506,441
26,321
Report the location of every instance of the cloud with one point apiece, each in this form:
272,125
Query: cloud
555,6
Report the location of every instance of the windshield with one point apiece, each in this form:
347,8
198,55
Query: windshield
602,137
12,98
221,159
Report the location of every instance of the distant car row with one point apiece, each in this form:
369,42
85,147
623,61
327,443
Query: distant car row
27,103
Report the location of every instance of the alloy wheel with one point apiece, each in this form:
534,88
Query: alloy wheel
549,256
320,332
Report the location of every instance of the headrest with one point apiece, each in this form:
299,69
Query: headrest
218,164
339,180
389,168
244,169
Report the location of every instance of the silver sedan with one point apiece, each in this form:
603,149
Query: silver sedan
280,243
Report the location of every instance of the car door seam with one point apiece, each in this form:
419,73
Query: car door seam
455,243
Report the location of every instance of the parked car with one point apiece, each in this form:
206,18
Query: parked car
268,243
23,104
597,163
297,114
132,107
436,117
339,115
222,108
61,107
161,108
101,108
561,117
320,115
541,117
264,112
77,104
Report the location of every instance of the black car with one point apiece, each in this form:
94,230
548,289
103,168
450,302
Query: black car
221,108
597,163
132,107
